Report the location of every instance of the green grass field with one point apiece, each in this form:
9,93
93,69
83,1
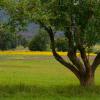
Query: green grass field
41,78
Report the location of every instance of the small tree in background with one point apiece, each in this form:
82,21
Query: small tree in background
39,42
7,39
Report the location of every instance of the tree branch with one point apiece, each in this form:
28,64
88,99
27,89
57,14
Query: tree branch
72,55
76,61
96,62
73,48
84,58
59,58
56,55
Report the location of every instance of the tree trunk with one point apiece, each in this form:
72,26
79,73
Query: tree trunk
82,69
87,80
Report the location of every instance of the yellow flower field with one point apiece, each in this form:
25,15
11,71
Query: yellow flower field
45,53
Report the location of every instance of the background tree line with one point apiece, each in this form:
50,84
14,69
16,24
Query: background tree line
39,42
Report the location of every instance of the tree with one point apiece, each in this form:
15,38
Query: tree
39,41
7,39
15,22
78,19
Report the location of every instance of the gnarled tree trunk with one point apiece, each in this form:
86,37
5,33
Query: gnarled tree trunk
82,69
87,80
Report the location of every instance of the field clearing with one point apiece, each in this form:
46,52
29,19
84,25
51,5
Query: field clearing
41,77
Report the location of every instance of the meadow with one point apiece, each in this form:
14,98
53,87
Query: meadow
41,77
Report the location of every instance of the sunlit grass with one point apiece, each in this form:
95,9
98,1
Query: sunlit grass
28,77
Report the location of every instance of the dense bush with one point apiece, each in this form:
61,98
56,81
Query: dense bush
7,39
39,42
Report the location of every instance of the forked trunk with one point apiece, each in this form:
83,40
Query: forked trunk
87,80
82,69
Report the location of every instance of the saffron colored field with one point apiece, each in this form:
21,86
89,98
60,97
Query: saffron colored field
34,76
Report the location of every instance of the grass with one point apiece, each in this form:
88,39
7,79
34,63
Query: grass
26,77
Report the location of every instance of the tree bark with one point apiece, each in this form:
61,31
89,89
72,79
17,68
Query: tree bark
58,57
82,70
96,62
87,80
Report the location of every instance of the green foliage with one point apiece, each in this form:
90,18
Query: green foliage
7,39
39,42
58,15
61,44
96,48
18,16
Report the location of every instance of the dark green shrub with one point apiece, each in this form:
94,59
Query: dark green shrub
39,42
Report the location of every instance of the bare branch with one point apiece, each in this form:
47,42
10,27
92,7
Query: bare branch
59,58
73,50
56,55
76,61
96,62
84,58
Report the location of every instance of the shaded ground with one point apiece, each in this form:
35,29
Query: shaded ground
49,93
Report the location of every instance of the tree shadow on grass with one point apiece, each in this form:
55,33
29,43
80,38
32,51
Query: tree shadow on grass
34,91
